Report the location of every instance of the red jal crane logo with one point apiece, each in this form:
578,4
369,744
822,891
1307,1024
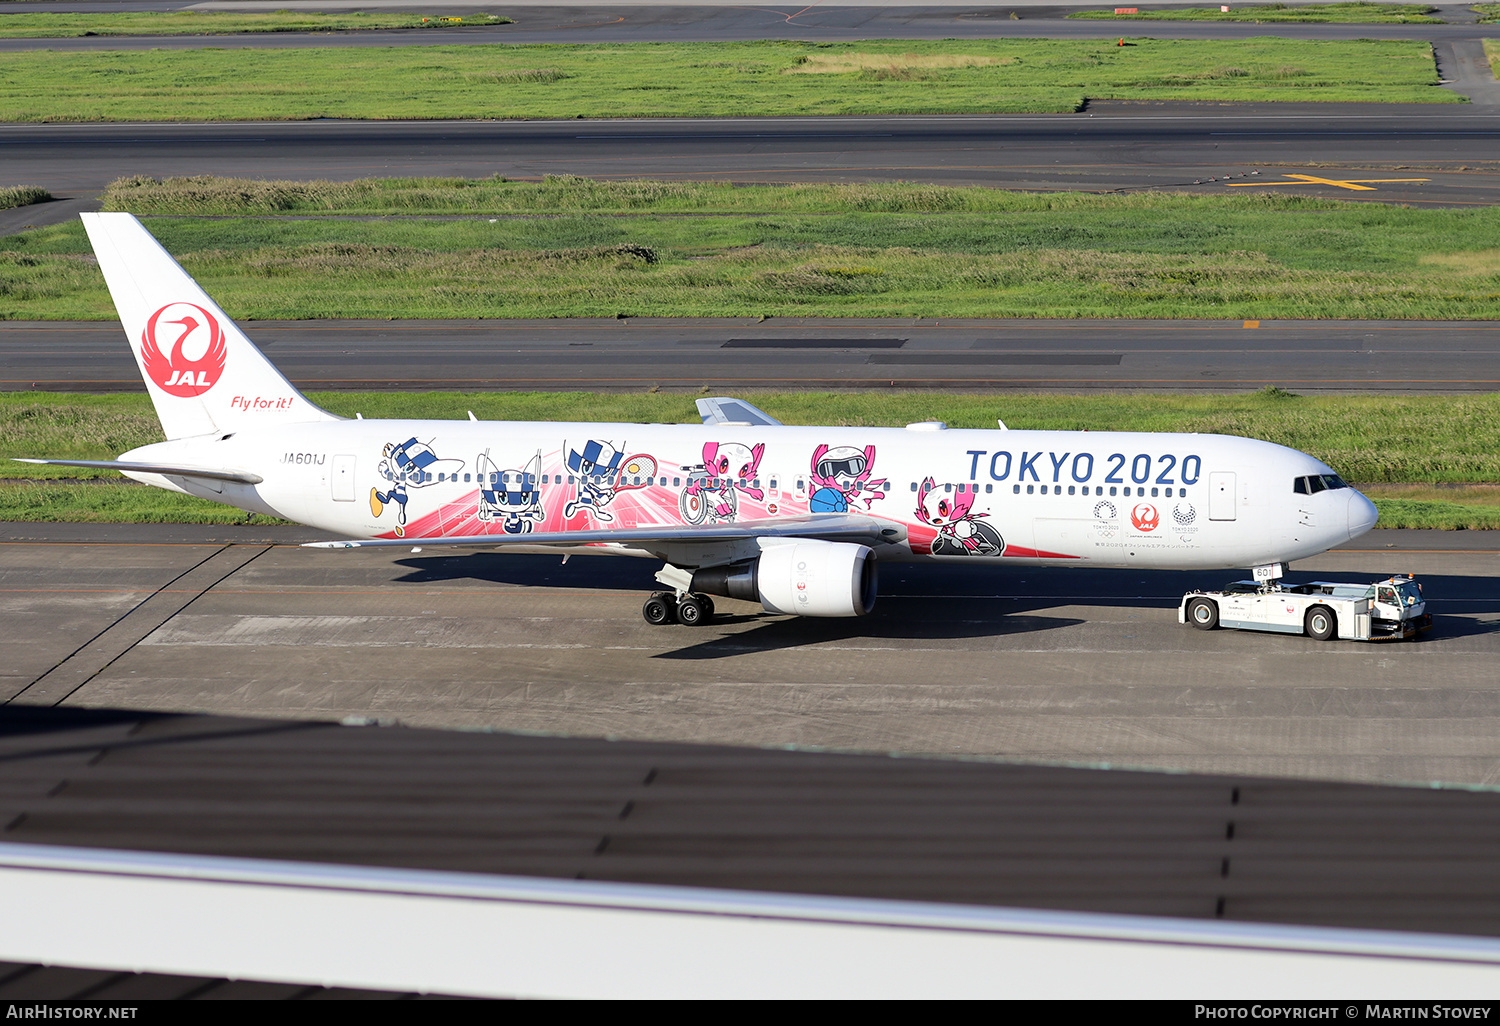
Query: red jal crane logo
1145,517
196,346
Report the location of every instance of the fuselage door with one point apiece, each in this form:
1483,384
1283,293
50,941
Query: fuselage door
1221,495
342,479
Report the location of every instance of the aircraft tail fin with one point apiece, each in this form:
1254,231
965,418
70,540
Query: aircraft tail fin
203,374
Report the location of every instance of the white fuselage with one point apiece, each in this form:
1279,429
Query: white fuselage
1113,499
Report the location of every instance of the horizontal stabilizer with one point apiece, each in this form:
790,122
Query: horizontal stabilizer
211,473
829,527
730,411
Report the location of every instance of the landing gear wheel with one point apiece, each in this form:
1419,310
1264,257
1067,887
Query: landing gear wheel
708,604
1203,614
691,611
659,609
1319,623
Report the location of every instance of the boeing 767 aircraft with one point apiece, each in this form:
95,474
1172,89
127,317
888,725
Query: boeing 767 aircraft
794,518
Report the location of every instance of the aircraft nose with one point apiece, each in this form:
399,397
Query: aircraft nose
1362,514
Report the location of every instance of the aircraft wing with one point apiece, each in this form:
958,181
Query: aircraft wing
728,410
171,470
847,527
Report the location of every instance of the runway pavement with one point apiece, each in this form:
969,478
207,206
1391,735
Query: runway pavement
631,21
690,354
1443,156
1070,666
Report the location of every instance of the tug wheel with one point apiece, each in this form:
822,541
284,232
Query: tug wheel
658,609
1320,624
1203,614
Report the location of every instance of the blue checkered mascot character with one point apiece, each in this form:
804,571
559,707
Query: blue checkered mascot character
595,471
405,466
511,498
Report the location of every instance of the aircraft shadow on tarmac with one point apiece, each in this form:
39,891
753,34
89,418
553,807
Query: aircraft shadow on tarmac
932,602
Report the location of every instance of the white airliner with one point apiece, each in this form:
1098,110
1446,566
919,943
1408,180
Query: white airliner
795,518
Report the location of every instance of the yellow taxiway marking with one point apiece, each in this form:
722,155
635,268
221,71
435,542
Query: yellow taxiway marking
1252,324
1357,184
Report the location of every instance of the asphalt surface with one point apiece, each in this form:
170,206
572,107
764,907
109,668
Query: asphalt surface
1235,847
691,354
1067,666
652,22
1444,155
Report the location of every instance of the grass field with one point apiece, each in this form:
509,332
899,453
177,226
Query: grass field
593,249
34,25
1488,13
702,79
1357,12
1394,440
1492,51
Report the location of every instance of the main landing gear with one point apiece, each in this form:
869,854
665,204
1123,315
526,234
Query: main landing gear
665,607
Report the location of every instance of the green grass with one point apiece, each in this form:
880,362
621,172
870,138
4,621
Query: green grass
1488,13
702,79
593,249
22,195
1357,12
1492,51
32,25
1367,438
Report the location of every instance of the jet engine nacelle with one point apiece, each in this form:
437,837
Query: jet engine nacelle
804,578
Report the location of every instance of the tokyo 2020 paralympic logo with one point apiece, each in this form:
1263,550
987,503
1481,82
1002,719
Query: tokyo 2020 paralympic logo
192,360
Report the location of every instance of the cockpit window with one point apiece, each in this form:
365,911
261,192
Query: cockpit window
1315,483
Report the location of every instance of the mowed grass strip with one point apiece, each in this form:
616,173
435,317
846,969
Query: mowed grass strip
1367,438
702,79
1238,256
43,25
567,194
1355,13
